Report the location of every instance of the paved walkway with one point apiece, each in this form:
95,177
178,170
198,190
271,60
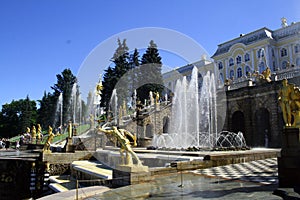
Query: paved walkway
251,180
260,171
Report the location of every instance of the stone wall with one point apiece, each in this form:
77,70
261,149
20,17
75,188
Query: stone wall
262,117
148,124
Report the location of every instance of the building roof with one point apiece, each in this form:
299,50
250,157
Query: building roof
258,35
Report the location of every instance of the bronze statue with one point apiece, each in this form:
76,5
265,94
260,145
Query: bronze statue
267,74
33,135
120,136
47,145
39,132
284,98
70,129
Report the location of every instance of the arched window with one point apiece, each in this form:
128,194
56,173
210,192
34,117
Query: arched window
247,57
260,53
273,53
239,72
238,60
248,70
231,74
284,65
298,62
231,62
261,67
220,65
221,78
283,52
297,48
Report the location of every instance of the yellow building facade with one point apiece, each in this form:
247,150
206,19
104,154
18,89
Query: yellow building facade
255,51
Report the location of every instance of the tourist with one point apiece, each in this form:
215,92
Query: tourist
7,144
1,144
17,144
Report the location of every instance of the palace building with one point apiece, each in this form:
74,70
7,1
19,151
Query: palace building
251,101
278,50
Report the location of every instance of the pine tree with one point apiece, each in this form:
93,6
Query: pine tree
150,72
109,82
46,112
64,85
134,71
112,76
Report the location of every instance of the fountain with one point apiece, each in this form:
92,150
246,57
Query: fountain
59,111
193,114
194,117
73,100
114,105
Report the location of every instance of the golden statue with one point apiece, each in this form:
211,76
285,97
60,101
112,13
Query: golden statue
39,132
70,129
156,97
99,87
47,145
295,106
267,74
284,98
121,136
33,132
28,130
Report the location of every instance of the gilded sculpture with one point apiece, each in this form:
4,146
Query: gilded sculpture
289,100
121,136
47,145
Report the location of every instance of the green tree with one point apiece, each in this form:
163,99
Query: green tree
64,85
150,72
16,116
109,82
113,75
46,112
134,70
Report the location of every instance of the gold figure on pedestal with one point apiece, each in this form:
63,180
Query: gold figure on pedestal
121,136
47,145
285,101
39,132
289,100
33,135
70,129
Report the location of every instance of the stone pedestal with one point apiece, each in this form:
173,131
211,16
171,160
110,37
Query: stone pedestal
130,174
69,145
144,142
289,160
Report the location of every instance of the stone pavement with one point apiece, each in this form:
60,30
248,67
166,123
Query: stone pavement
251,180
260,171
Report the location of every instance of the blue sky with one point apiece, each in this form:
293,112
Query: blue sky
40,38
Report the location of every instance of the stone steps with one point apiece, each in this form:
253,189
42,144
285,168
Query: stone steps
91,170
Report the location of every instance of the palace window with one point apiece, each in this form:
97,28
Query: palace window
274,66
283,52
297,48
248,70
247,57
238,60
261,67
220,65
231,62
298,62
231,74
221,78
260,53
284,65
239,72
